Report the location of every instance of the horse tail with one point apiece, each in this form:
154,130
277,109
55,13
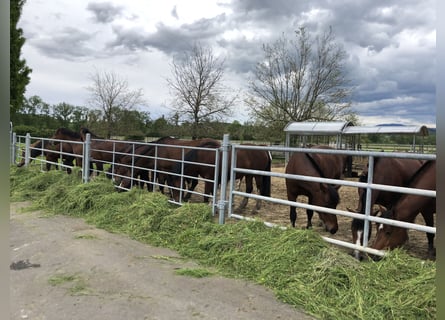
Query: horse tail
266,179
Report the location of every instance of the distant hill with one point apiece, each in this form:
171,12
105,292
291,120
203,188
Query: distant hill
390,125
431,131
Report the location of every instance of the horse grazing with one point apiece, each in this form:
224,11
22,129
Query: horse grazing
201,162
160,157
104,151
320,165
50,153
406,209
388,171
133,164
71,145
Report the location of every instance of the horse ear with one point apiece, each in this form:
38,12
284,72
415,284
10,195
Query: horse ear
381,209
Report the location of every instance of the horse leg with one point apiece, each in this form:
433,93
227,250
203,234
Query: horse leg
292,209
68,162
99,167
249,188
144,178
258,182
429,221
193,184
208,189
310,214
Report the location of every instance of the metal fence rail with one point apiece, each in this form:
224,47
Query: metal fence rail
222,202
369,186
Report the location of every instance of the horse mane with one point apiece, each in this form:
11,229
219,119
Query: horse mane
84,131
163,139
332,191
315,164
419,171
68,132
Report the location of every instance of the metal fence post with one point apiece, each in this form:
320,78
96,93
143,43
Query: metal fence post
13,148
232,180
86,158
368,201
27,150
224,171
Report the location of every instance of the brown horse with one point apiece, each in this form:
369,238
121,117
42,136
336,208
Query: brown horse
201,162
407,208
321,165
51,154
136,162
160,157
71,144
104,151
388,171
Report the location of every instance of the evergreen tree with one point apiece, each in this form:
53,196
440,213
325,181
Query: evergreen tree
19,71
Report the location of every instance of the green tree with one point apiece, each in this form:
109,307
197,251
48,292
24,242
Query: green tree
19,71
63,112
79,117
159,127
35,105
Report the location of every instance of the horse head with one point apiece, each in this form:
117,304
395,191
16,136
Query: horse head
332,199
389,237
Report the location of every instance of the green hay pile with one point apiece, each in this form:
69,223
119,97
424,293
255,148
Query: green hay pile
301,268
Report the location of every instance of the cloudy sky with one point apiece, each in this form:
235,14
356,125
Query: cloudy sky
391,47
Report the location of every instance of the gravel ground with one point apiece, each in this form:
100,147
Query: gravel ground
62,268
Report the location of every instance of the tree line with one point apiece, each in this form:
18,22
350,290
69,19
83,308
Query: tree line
41,119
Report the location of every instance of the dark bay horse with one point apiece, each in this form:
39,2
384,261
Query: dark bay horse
52,155
160,157
388,171
201,162
71,144
321,165
406,209
135,164
104,151
37,149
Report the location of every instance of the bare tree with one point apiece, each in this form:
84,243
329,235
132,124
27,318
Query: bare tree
300,80
196,83
111,94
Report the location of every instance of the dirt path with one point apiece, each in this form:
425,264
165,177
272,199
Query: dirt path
63,268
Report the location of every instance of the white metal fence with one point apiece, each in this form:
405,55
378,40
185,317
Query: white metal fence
223,203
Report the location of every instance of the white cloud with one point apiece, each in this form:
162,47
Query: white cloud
391,46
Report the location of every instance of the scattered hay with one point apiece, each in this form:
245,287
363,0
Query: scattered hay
301,268
195,273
